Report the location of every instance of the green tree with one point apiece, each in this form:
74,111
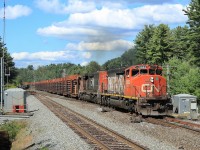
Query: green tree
180,42
129,57
184,78
193,13
113,63
8,62
92,67
142,43
30,67
159,48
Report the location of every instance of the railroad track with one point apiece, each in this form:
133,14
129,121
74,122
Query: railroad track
183,122
174,123
95,134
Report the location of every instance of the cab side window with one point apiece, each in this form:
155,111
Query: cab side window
127,73
135,72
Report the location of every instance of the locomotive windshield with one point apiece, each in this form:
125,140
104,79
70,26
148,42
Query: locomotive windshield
152,71
143,71
135,72
159,72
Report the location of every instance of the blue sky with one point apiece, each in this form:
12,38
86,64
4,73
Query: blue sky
41,32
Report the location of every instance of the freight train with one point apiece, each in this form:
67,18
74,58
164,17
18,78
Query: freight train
140,88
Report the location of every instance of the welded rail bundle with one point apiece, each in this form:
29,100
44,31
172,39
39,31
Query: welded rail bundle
138,88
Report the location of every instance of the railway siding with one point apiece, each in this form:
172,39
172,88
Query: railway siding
175,123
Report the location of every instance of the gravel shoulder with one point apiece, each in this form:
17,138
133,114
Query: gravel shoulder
50,132
153,136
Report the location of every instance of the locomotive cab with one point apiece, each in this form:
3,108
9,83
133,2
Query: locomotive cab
146,84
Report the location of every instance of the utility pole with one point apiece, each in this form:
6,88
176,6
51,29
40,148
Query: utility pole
7,74
168,85
2,58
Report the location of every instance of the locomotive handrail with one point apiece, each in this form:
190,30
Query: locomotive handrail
137,93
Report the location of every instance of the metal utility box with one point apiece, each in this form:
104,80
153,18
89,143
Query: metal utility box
185,103
15,100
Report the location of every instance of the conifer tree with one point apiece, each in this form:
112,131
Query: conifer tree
193,13
142,43
159,48
8,61
180,42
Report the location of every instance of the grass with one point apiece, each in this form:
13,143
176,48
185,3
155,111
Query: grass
44,148
13,128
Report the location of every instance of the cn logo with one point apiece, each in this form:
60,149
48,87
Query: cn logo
149,88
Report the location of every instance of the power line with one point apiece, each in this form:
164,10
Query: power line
4,23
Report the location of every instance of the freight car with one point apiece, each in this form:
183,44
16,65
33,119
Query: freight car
139,88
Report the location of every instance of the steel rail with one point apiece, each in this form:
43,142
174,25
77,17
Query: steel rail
167,123
100,135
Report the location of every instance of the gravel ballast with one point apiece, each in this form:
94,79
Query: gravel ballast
50,132
154,137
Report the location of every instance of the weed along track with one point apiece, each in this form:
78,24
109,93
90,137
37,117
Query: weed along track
95,134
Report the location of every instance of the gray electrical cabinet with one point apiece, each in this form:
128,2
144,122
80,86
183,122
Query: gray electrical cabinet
185,103
15,100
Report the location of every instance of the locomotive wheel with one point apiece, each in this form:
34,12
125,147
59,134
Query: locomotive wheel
108,99
101,103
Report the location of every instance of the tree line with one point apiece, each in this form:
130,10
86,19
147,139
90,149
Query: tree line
155,44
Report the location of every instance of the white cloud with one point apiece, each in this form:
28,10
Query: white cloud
77,33
23,59
130,18
13,12
147,1
87,55
128,2
85,63
111,24
46,56
104,18
102,46
73,6
166,13
54,30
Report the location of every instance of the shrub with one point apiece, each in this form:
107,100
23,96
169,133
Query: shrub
13,128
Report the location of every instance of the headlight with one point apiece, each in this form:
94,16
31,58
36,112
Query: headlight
152,79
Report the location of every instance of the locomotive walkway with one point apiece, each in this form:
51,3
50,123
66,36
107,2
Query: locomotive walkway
95,134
